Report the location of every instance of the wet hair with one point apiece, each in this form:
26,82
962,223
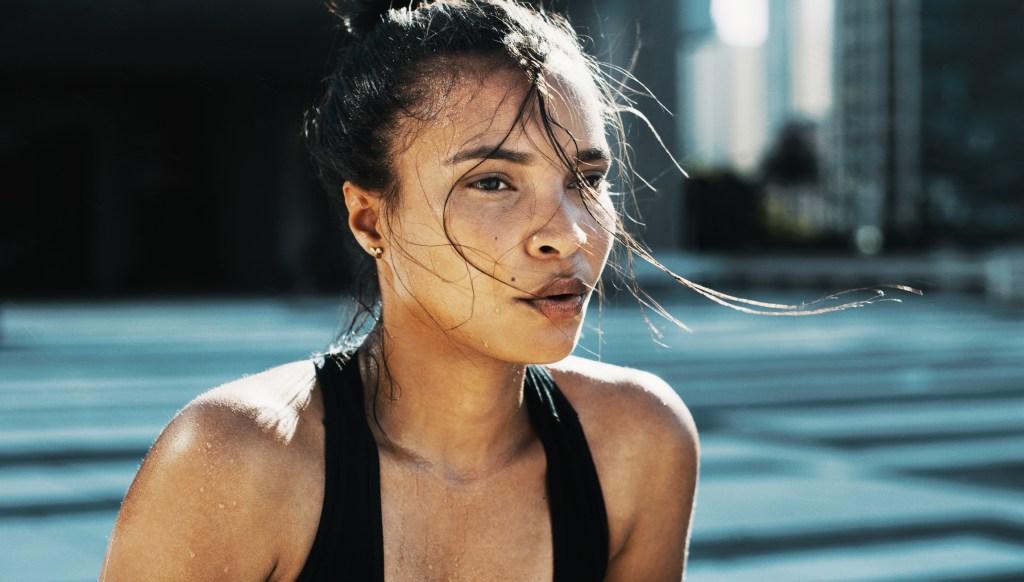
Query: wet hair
385,68
395,62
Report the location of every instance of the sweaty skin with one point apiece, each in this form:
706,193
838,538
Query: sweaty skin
232,489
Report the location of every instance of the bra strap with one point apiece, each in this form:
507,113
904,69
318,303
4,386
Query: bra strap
350,537
579,522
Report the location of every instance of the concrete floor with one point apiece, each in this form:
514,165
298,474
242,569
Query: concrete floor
884,443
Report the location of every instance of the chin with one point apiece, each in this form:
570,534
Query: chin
554,346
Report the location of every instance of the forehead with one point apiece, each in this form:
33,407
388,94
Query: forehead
490,106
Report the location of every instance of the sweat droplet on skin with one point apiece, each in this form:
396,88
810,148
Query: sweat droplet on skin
191,554
220,505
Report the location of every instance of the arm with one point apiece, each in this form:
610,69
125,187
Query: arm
664,472
196,508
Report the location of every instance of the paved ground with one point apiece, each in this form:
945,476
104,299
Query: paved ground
884,443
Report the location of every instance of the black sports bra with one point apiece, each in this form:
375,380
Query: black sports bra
349,543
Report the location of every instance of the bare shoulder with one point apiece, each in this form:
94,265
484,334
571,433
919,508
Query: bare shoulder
624,398
208,502
644,444
265,406
253,423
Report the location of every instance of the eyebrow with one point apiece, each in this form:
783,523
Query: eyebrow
593,155
489,152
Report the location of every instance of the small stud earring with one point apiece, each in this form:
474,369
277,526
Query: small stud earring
377,252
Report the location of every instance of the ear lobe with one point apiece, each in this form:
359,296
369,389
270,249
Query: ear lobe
363,215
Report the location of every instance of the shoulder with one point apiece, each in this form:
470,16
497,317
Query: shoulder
616,398
206,501
645,447
265,407
251,424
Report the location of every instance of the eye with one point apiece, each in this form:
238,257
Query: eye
490,184
593,181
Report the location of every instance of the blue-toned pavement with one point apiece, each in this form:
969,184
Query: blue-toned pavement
884,443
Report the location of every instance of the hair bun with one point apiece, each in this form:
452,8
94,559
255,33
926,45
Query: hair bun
360,16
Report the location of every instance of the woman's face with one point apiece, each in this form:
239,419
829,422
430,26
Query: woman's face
506,264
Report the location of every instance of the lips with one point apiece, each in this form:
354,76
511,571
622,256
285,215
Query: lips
563,298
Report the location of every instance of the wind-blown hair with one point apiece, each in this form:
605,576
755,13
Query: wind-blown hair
398,61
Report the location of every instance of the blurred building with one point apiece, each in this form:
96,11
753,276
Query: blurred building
876,177
764,64
928,125
764,71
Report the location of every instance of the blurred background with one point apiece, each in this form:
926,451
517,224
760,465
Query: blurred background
162,231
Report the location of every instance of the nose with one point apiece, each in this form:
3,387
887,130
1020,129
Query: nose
563,228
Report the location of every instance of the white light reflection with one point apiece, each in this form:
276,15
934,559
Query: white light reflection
741,22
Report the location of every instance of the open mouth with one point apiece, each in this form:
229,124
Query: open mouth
562,296
561,306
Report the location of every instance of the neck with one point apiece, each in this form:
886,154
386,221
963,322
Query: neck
450,410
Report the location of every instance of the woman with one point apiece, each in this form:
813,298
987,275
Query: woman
458,439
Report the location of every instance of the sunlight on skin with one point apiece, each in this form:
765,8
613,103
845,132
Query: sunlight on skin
489,249
274,398
527,201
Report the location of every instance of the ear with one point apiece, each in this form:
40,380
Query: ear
363,215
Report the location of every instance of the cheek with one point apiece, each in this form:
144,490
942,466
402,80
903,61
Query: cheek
605,214
418,234
489,234
605,224
429,273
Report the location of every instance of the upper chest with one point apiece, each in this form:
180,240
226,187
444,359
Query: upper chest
440,529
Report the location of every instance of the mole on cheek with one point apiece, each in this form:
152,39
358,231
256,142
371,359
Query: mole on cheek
513,279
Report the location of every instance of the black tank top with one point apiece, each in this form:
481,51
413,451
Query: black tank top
349,543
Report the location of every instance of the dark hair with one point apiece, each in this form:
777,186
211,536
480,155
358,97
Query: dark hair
396,63
386,64
397,60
